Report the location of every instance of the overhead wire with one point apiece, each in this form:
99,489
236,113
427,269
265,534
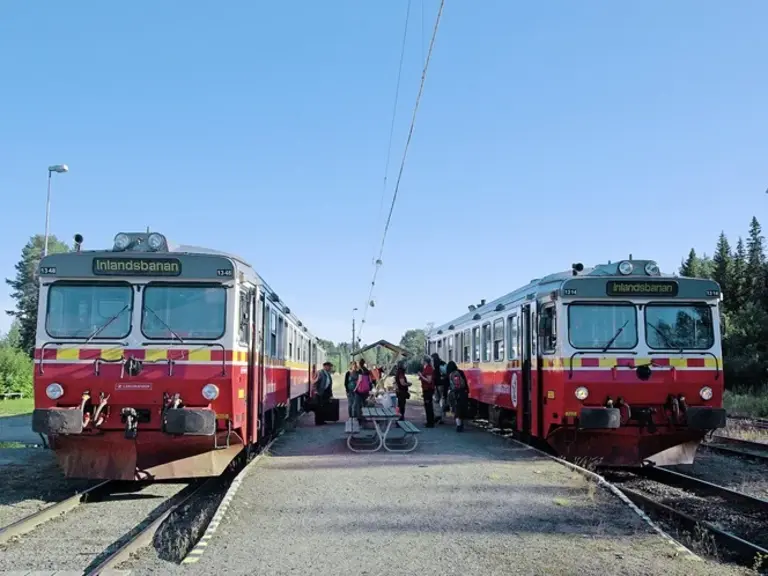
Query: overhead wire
394,111
402,167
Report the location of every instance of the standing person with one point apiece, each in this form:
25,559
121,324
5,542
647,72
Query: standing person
401,388
362,389
428,391
460,389
350,381
441,388
323,392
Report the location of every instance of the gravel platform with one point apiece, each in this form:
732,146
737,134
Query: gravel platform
18,429
75,540
465,504
30,480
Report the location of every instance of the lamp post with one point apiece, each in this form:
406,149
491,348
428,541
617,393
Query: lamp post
59,169
352,349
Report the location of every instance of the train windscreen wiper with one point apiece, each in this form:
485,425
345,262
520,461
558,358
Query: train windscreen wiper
164,323
615,336
666,340
107,323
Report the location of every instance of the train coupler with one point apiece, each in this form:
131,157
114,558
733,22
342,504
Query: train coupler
131,419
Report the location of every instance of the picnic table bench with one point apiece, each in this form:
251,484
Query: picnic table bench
357,441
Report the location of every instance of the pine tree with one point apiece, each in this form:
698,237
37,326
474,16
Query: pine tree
690,266
755,269
25,288
722,272
737,297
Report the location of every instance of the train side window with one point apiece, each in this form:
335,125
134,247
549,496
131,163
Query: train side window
272,333
498,340
450,348
291,335
487,342
244,333
476,344
548,328
512,352
467,346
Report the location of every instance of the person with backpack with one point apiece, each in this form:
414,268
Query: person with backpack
363,388
441,386
460,391
401,388
428,391
350,382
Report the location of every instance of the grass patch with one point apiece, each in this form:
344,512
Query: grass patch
4,445
16,406
754,405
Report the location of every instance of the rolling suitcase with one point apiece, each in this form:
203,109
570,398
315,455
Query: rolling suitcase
332,410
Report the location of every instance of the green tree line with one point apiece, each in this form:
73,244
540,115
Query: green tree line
18,345
742,273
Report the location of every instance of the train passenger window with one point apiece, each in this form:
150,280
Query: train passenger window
450,348
81,310
476,344
548,328
291,335
189,311
498,340
595,326
272,333
487,342
679,326
512,351
467,342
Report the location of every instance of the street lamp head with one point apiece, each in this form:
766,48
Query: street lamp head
59,168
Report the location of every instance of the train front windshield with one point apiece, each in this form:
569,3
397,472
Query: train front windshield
672,326
195,312
85,310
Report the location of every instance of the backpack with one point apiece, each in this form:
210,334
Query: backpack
363,384
457,381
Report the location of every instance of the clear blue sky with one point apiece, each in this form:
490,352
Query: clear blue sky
549,132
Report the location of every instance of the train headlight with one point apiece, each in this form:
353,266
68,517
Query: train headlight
210,392
122,241
155,241
706,393
581,393
625,267
54,391
652,269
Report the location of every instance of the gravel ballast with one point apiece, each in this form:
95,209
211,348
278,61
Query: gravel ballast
467,504
88,533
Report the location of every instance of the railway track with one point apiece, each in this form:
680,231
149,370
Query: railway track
721,521
729,446
747,421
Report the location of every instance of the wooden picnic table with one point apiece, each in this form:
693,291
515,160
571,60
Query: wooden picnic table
378,416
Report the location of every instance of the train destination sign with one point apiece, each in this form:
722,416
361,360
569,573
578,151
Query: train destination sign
137,266
641,288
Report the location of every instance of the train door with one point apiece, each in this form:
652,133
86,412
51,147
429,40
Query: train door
525,366
251,394
261,374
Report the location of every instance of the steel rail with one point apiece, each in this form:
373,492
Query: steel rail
29,523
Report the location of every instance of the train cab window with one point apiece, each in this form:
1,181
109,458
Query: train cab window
498,340
679,326
467,346
476,344
82,310
512,351
487,342
244,332
548,328
188,311
597,326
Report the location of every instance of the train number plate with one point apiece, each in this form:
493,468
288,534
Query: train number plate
132,386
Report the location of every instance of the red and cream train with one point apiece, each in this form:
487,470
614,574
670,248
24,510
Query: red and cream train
619,364
155,361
